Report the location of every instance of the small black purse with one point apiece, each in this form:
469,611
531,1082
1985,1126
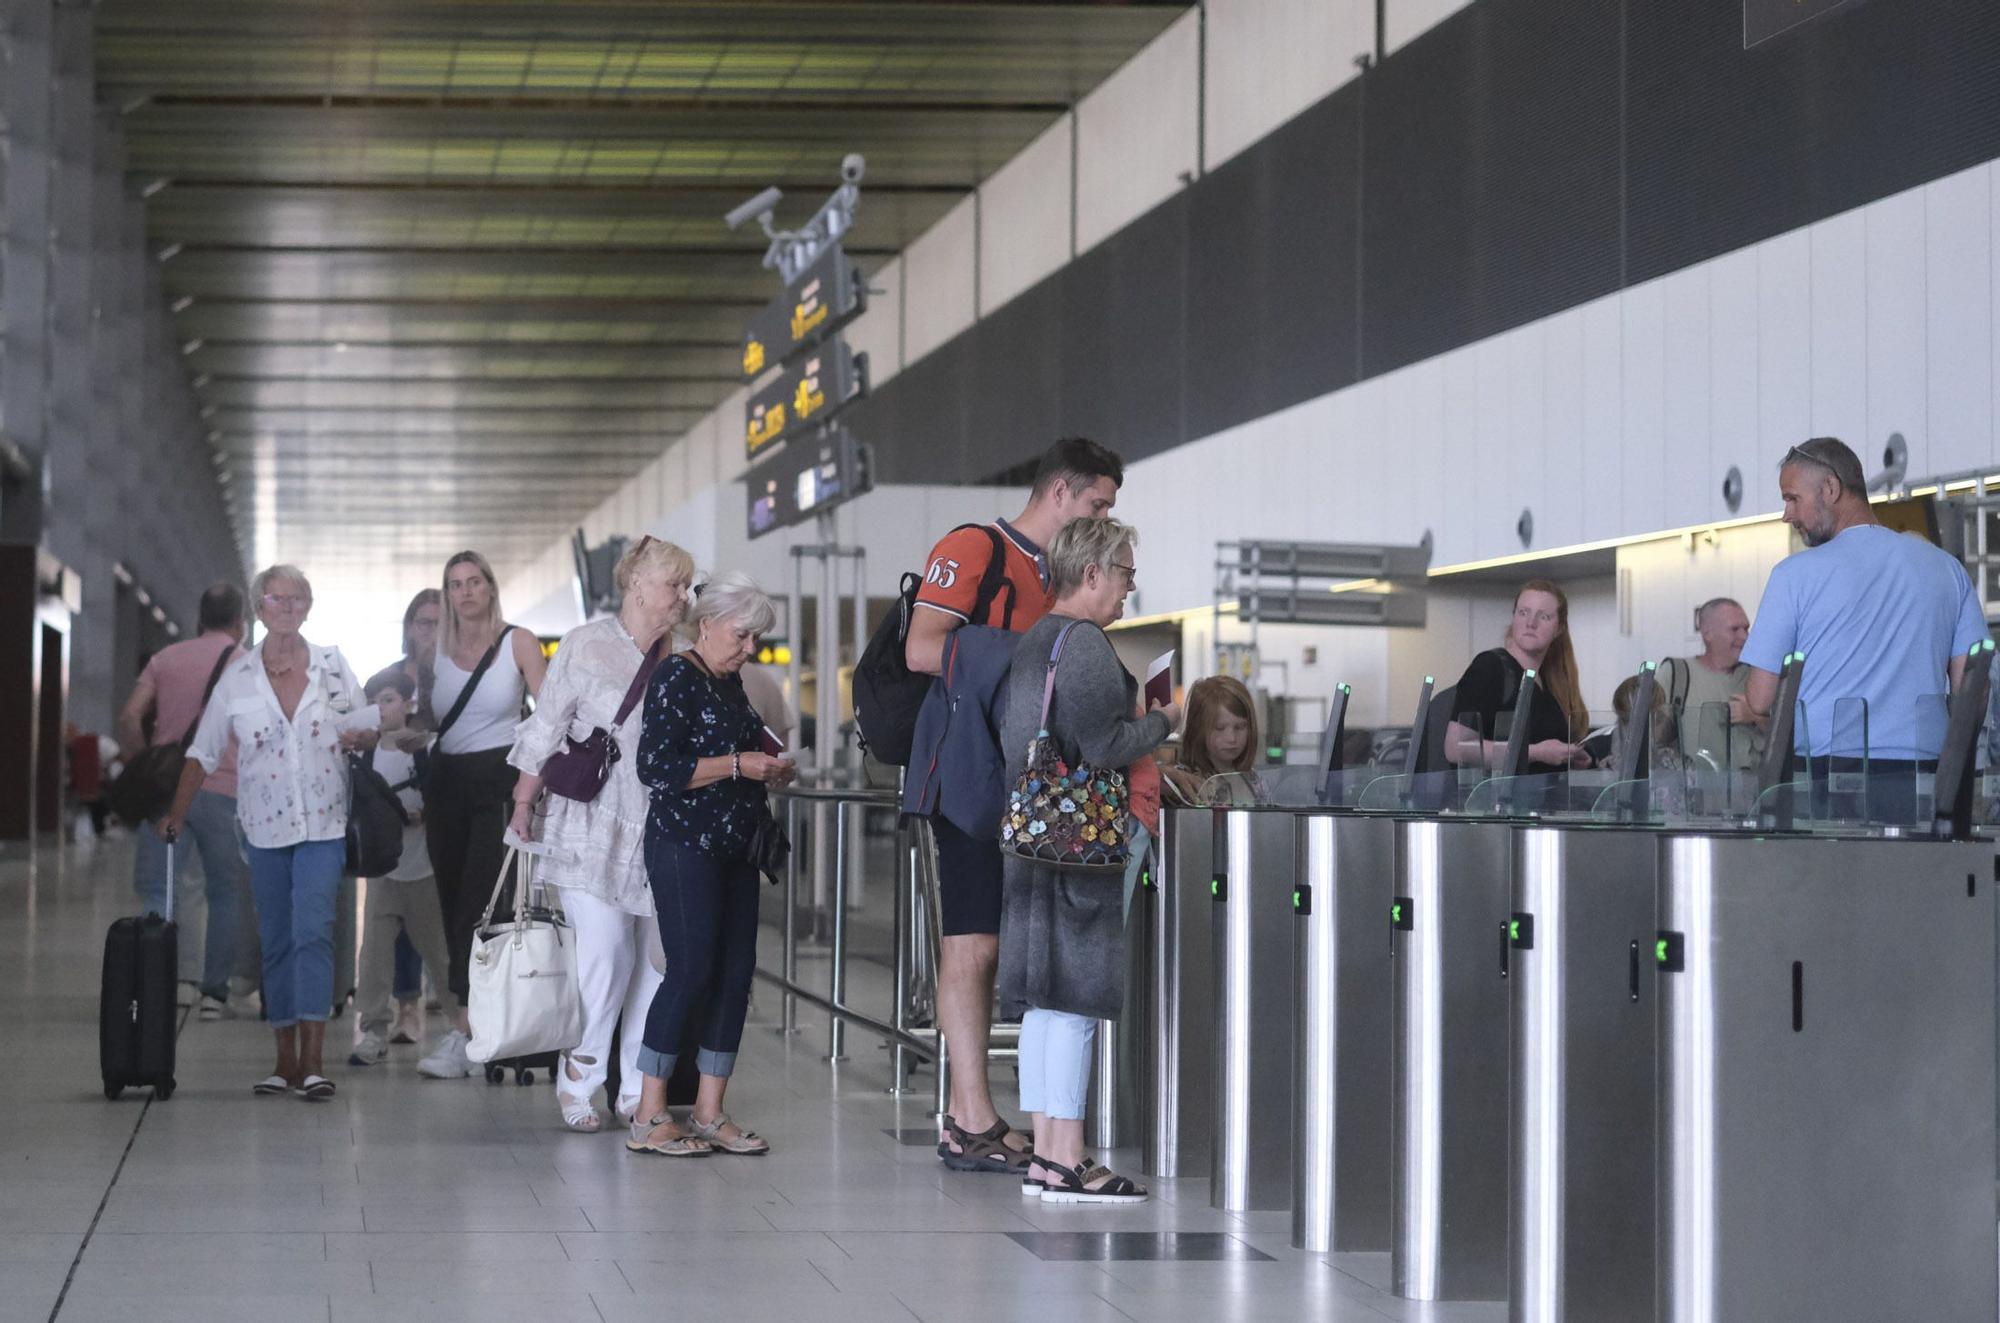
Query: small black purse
769,849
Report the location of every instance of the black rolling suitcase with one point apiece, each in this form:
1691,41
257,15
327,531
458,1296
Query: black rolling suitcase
136,1011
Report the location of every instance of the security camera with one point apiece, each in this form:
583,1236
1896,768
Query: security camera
852,166
757,208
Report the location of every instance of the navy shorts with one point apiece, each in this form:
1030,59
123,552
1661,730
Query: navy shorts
968,881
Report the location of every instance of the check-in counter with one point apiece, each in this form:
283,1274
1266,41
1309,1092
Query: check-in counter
1176,1017
1340,1027
1825,1106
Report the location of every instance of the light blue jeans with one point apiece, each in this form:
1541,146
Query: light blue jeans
1055,1063
295,887
210,830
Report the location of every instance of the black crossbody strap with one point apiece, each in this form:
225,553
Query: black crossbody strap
214,679
478,674
637,689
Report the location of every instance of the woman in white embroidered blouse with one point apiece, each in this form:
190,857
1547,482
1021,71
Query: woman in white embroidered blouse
295,710
599,846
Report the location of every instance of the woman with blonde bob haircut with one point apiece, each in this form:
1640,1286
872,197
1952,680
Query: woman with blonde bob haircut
1220,739
598,858
475,686
294,711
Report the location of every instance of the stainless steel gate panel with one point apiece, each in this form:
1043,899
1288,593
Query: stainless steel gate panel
1826,1094
1340,1055
1580,1068
1250,1162
1448,1060
1176,1020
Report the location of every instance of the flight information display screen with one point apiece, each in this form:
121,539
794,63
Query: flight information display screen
827,296
808,392
814,472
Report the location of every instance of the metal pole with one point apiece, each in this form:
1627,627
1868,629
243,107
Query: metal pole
1103,1096
826,682
797,626
899,1006
858,847
837,980
791,955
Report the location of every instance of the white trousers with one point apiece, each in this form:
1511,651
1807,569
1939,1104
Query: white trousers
619,964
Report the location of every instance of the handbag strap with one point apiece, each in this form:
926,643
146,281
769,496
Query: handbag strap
472,683
1049,683
214,679
637,688
520,862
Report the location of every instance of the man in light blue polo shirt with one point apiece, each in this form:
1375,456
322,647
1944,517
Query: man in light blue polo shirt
1881,616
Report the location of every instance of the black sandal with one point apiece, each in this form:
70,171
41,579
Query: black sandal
985,1151
1071,1185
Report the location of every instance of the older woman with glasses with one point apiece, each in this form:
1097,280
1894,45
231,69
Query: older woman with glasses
700,754
598,861
294,711
1066,666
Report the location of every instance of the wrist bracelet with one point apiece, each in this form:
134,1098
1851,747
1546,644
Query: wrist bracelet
735,766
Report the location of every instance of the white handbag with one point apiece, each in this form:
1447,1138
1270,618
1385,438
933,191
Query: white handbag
524,998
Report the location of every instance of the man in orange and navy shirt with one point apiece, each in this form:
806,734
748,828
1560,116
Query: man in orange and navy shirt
1076,479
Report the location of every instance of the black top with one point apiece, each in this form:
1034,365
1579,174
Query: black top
689,715
1485,700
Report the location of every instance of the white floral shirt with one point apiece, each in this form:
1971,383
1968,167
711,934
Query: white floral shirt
599,847
291,774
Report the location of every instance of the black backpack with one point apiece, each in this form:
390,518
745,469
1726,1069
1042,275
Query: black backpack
887,693
375,821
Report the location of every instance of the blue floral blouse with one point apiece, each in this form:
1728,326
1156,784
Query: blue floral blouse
690,715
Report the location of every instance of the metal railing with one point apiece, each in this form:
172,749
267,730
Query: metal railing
837,815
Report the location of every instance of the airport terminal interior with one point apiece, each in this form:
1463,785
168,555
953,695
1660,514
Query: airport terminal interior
1497,501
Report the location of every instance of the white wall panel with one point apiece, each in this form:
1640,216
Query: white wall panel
1523,362
1958,320
1785,361
1559,506
1024,218
1686,481
701,442
1354,504
1412,414
878,331
1603,418
1839,248
1464,471
938,266
1135,136
1495,454
1270,59
1643,443
727,430
1894,325
1734,438
1410,19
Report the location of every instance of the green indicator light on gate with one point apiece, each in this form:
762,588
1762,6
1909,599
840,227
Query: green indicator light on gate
1276,751
1513,930
1215,886
1295,900
1395,914
1660,952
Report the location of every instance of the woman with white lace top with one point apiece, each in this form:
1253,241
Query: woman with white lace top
598,846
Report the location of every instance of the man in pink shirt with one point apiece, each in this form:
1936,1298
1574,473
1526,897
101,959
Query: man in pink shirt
170,694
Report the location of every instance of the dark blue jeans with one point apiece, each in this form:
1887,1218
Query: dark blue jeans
708,925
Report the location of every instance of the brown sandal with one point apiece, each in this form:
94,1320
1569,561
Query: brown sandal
985,1151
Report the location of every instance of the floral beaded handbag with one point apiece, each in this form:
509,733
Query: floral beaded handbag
1063,817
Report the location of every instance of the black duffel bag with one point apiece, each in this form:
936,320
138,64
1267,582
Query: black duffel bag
375,820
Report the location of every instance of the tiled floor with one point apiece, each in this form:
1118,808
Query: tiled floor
408,1198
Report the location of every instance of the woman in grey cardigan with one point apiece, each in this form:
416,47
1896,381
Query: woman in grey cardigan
1062,939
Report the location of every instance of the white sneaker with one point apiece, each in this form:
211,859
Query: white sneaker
449,1061
369,1051
213,1009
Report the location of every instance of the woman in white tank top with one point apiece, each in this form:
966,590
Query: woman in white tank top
467,798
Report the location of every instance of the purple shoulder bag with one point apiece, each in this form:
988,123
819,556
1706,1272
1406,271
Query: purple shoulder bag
580,768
